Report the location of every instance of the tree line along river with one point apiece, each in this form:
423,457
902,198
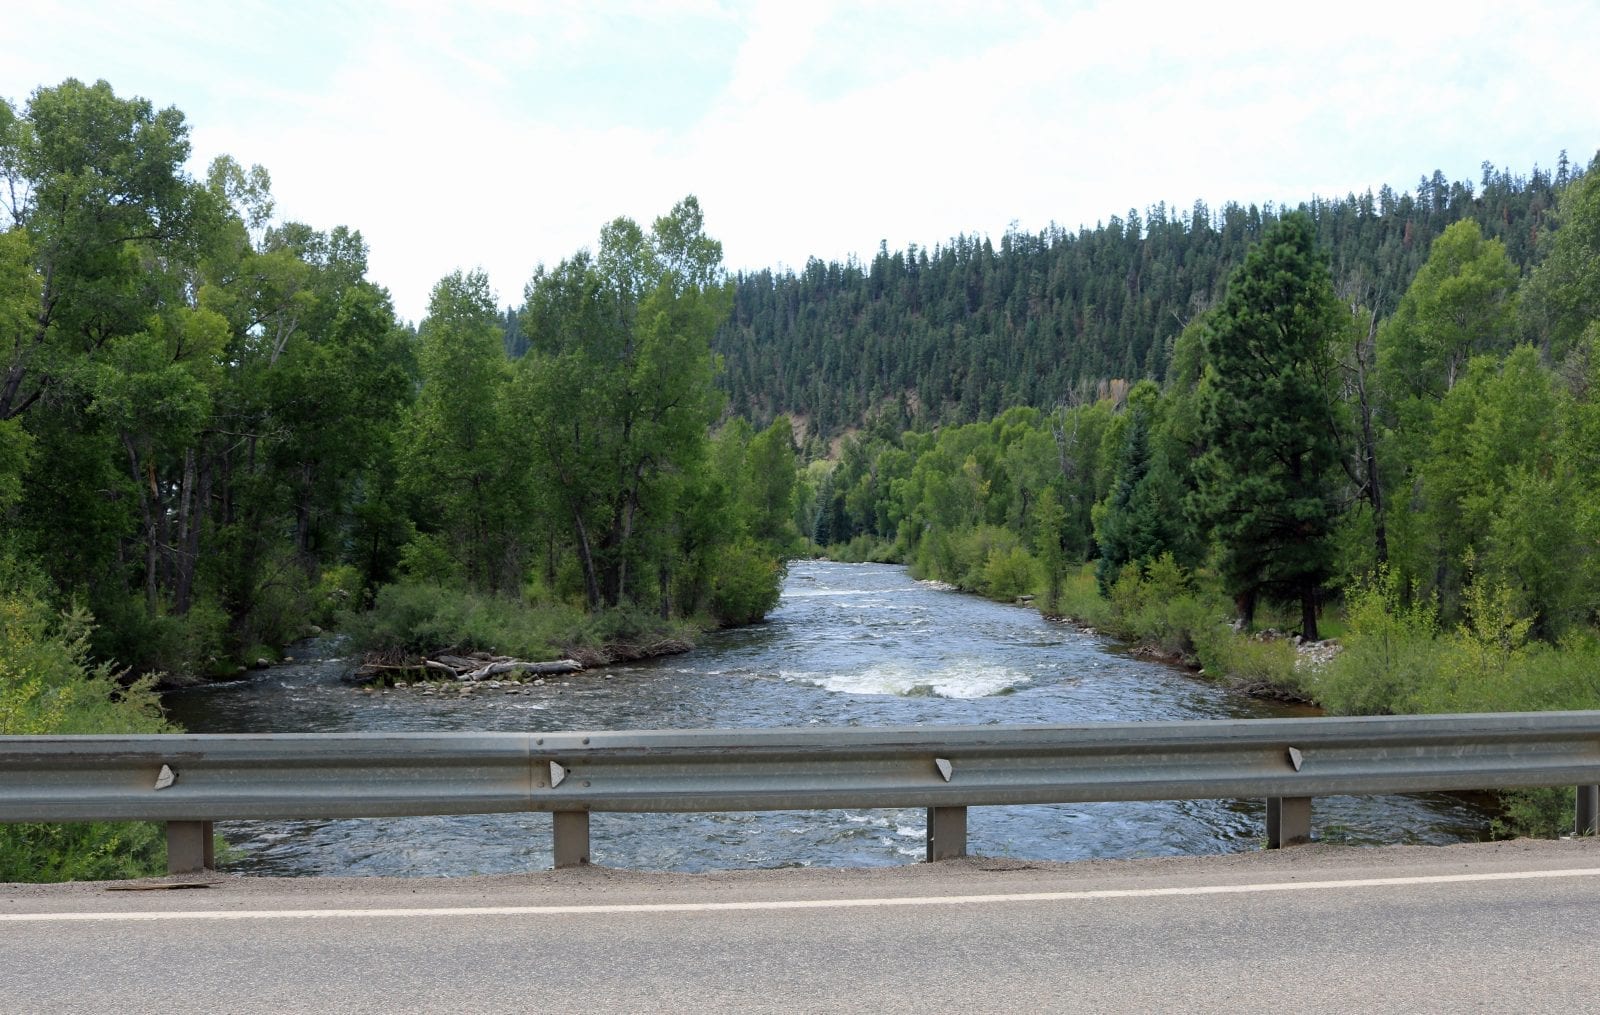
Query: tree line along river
849,644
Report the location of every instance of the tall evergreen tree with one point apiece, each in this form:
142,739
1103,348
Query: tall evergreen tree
1267,484
1142,517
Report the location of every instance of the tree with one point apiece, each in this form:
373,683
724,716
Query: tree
91,179
1266,480
1564,290
1461,304
459,459
1050,520
617,384
1142,518
768,492
1492,488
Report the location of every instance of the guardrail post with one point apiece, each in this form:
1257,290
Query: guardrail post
1588,822
1288,821
190,847
571,829
947,833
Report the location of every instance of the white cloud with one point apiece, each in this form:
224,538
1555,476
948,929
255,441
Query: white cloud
500,134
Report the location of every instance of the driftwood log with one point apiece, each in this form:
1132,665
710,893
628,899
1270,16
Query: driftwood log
479,666
495,669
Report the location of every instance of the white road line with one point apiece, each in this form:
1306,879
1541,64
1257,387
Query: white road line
777,904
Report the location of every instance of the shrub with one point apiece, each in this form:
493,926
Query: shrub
1391,653
1547,812
338,591
179,649
48,686
409,618
1008,574
1225,652
745,585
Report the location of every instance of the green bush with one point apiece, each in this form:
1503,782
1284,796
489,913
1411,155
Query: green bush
1224,652
338,591
281,603
410,618
1008,574
1081,600
1390,655
47,686
179,649
745,584
1547,812
863,549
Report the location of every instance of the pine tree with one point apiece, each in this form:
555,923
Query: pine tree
1267,477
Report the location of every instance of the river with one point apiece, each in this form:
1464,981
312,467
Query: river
849,644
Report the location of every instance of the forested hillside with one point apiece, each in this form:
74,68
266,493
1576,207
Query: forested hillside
963,331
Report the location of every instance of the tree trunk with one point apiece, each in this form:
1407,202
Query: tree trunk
1245,602
1369,449
187,541
1308,612
591,585
302,513
147,527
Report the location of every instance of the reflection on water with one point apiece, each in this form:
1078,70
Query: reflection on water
848,645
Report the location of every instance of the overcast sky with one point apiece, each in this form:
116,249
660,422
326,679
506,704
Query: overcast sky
500,134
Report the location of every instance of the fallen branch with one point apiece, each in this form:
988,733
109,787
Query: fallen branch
520,666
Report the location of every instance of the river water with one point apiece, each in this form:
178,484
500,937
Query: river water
849,644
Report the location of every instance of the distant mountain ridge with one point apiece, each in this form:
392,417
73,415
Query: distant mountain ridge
968,329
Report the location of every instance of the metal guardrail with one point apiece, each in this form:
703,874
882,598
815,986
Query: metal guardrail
191,780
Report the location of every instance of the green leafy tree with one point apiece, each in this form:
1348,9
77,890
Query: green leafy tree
1050,519
460,462
1267,479
1563,298
618,388
1461,304
1491,485
94,181
768,492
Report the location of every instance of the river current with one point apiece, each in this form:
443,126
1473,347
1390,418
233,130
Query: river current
849,644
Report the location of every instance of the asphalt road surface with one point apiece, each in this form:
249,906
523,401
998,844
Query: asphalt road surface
1507,926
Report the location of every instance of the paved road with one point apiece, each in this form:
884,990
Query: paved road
1508,926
